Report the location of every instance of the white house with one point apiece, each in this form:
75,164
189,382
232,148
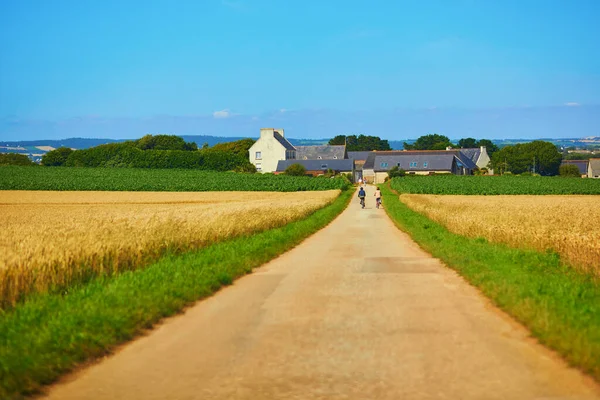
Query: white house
272,147
269,149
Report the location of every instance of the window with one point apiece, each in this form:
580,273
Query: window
384,165
259,167
335,157
319,157
413,164
397,164
323,166
425,164
258,155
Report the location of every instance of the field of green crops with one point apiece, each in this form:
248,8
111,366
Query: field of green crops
170,180
495,185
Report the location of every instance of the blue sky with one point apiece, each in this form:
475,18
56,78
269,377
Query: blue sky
398,69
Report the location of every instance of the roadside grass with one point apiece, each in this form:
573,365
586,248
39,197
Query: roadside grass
557,303
49,335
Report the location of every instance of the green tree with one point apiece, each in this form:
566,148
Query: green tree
361,142
467,143
537,157
295,170
490,147
430,142
15,159
396,171
239,147
164,142
567,170
57,157
338,140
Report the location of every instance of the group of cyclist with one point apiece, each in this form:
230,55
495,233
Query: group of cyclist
362,194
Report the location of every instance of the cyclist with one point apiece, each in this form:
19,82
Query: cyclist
377,197
361,195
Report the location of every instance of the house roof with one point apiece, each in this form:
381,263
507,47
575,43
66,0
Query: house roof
437,160
472,153
581,164
595,165
325,152
283,141
317,165
358,155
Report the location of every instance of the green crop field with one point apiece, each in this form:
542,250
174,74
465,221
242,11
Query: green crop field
170,180
495,185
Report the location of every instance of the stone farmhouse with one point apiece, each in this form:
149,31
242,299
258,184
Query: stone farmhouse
419,162
583,166
272,152
594,168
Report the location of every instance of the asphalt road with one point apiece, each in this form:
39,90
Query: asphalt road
357,311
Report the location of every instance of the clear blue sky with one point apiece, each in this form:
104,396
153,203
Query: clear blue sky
226,67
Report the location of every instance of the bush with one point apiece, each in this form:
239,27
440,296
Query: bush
15,159
248,168
57,157
295,170
569,170
396,172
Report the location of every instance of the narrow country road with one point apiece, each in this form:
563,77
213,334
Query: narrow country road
357,311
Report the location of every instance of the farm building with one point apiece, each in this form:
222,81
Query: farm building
420,162
318,167
478,155
272,147
594,168
359,158
583,165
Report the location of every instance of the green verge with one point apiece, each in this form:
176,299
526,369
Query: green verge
49,335
559,305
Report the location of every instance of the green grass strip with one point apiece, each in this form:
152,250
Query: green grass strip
559,305
49,335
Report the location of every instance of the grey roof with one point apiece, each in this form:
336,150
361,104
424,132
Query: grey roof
436,160
581,164
358,155
317,165
472,153
595,165
326,152
283,141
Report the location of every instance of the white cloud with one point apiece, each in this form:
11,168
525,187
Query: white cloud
282,110
572,104
255,118
226,113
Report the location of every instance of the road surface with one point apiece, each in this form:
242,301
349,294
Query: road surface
357,311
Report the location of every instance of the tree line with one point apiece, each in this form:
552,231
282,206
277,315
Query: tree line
159,151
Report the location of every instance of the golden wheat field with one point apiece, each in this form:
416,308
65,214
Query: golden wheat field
570,225
52,239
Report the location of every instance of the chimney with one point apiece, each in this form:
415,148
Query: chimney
482,149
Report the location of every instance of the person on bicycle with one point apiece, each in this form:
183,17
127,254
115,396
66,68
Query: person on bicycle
377,197
361,195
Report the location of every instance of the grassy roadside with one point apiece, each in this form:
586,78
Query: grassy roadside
560,306
49,335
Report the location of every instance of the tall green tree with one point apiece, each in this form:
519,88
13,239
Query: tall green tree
361,142
56,157
430,142
467,143
490,147
538,156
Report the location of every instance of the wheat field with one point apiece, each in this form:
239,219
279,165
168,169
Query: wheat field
569,225
51,240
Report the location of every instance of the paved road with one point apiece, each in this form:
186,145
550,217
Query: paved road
357,311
